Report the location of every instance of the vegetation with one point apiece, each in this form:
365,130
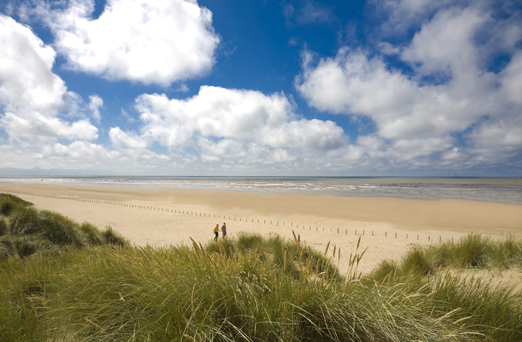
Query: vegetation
26,231
246,288
493,309
472,252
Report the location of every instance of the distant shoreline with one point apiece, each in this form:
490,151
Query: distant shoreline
493,189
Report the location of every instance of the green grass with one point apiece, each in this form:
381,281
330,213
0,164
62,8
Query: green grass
493,309
60,282
25,231
231,290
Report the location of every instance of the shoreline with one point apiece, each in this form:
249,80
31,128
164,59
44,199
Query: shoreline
389,224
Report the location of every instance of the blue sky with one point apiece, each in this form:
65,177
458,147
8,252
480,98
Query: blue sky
331,88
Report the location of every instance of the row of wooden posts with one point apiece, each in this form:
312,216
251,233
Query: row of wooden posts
186,212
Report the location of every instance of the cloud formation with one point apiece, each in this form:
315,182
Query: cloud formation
232,126
451,93
154,41
31,96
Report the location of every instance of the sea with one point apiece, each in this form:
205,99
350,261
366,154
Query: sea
503,190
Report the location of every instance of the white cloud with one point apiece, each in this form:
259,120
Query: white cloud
450,92
27,80
95,102
31,95
512,79
148,41
229,129
446,44
124,140
41,126
244,115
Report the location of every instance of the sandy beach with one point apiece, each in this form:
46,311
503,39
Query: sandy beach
387,226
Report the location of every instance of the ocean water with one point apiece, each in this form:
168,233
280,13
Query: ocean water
506,190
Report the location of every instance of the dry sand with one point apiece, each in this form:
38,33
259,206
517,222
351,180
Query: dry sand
387,226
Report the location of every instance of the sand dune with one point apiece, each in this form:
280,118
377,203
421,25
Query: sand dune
387,226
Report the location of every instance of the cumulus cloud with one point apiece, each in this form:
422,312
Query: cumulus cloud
31,95
451,93
511,79
41,126
244,115
148,41
27,80
125,140
230,128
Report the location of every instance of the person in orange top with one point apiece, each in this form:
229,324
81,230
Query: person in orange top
216,231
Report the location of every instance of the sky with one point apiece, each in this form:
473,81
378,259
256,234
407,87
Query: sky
261,87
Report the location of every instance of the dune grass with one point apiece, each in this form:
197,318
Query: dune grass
232,290
493,309
243,288
25,231
471,252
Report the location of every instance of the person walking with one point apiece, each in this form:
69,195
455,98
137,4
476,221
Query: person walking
216,231
224,229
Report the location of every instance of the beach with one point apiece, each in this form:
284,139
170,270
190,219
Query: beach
387,226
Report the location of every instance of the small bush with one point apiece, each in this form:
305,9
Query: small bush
113,238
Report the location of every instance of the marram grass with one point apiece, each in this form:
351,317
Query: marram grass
61,281
493,309
27,231
248,288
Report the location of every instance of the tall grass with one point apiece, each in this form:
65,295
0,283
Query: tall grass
232,290
248,288
492,309
25,231
472,252
3,226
